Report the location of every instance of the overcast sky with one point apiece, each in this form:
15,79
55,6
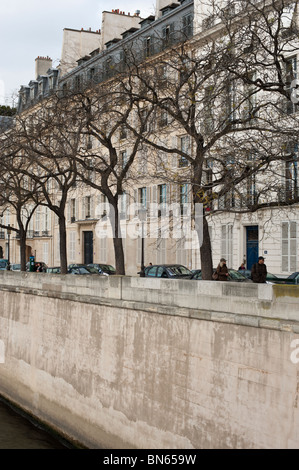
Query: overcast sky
31,28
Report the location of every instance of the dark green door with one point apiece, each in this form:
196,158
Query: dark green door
88,247
252,245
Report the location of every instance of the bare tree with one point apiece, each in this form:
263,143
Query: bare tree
49,138
225,117
106,113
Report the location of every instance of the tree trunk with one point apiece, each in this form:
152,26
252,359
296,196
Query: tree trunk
62,244
23,250
206,253
118,244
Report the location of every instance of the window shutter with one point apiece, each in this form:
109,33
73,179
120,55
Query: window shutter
92,207
174,145
77,209
83,207
69,211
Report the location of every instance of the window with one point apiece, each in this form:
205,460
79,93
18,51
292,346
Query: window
148,46
162,193
188,26
91,73
167,34
291,74
230,101
77,83
124,158
103,250
162,199
227,244
46,253
123,205
142,196
72,246
185,149
291,173
89,142
183,197
123,132
289,246
73,210
251,183
164,118
87,207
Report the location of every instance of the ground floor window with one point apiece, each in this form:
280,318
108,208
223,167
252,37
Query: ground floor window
227,244
288,246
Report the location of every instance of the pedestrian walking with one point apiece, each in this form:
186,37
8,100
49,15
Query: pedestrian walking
259,271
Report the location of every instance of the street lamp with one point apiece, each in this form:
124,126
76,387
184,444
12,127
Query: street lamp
8,247
142,217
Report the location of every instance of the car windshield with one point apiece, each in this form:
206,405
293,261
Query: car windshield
16,266
108,267
293,276
79,271
197,275
236,275
3,264
91,270
271,276
178,270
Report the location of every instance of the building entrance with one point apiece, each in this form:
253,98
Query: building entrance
252,245
88,247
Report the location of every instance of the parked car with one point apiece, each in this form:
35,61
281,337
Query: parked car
292,279
3,264
234,276
270,278
170,271
15,267
90,269
105,269
54,270
80,270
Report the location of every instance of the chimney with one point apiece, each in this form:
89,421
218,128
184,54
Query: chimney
42,65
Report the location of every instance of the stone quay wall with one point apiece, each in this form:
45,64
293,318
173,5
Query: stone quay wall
123,362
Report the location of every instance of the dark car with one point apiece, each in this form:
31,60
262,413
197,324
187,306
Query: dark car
79,270
3,264
270,278
53,270
293,279
15,267
234,276
170,271
105,269
85,267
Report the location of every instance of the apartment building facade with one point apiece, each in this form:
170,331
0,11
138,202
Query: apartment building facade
269,231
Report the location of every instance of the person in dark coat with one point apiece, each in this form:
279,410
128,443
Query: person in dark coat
222,270
259,271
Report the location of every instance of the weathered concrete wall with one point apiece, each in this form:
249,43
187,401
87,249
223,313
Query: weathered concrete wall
120,362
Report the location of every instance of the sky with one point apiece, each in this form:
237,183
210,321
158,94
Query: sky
31,28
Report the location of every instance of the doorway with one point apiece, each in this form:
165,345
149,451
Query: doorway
252,245
88,247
